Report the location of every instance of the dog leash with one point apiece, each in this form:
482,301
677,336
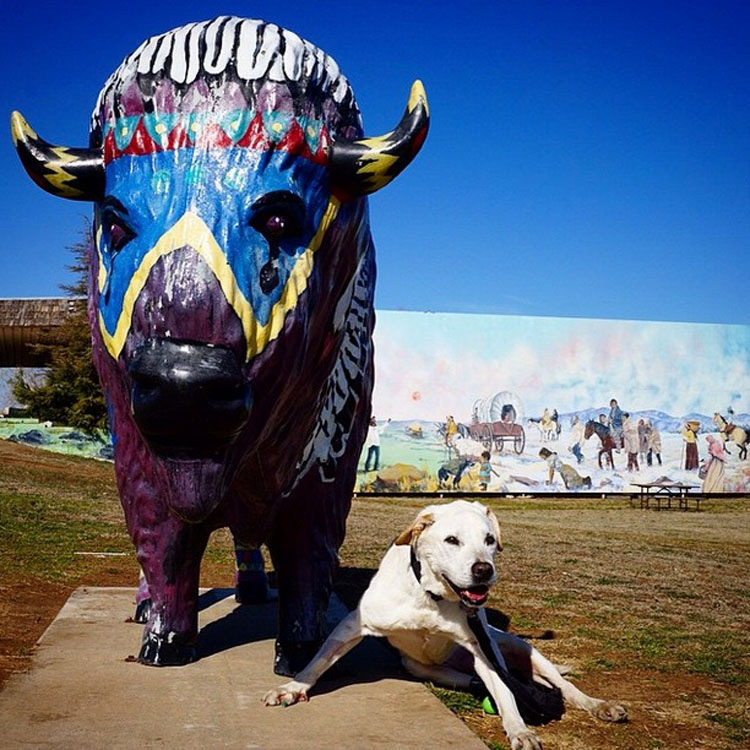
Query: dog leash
531,709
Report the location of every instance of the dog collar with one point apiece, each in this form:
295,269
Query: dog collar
416,567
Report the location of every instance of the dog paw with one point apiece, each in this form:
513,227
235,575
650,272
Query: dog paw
285,695
525,741
607,711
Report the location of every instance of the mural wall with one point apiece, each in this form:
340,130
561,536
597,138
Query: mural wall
607,403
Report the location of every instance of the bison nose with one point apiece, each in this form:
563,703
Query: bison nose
481,572
188,400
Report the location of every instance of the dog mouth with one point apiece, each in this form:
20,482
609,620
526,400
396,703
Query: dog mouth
473,596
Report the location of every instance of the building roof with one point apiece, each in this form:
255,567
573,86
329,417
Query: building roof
25,322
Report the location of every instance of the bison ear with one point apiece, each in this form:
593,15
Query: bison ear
420,523
75,173
366,165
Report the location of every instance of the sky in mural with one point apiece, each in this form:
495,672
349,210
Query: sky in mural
574,145
431,365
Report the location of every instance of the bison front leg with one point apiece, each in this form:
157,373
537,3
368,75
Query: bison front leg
170,557
304,548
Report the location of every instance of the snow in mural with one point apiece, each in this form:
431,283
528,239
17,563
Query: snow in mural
442,378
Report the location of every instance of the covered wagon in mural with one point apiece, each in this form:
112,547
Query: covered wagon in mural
496,422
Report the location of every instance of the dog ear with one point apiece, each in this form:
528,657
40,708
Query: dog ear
420,523
496,526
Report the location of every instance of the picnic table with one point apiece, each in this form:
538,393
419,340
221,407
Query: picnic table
664,490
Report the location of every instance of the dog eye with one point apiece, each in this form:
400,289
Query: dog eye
489,540
452,540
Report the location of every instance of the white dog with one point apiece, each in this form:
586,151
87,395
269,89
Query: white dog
426,599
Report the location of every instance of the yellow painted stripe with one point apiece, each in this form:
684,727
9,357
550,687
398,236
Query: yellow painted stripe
102,275
191,231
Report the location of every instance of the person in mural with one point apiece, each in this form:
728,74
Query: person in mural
712,468
654,443
372,444
485,470
631,442
546,421
571,478
643,430
615,423
690,436
557,425
576,439
451,428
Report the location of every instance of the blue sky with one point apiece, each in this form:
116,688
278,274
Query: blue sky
585,159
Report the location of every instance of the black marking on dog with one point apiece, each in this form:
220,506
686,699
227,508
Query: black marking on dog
536,703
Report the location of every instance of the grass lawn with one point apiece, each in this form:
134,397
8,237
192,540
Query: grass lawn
649,608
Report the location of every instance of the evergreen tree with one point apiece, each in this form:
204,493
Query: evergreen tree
70,393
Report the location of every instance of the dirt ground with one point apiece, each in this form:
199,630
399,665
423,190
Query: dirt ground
649,608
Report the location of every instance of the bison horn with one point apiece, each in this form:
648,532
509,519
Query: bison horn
364,166
75,173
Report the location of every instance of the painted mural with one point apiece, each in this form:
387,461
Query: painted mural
524,404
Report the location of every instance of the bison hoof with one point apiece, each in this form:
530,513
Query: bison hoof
293,657
167,650
142,611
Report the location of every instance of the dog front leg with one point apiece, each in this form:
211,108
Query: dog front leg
519,735
345,636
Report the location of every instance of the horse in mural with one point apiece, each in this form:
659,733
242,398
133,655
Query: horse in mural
608,443
548,430
732,434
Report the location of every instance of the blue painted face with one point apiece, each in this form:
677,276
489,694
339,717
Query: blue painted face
250,213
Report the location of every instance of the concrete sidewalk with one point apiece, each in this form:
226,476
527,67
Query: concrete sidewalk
82,693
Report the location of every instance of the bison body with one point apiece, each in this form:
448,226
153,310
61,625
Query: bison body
231,288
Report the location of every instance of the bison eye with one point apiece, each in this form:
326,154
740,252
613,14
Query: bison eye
278,216
452,540
117,233
275,225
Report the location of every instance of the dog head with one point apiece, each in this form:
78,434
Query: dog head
454,546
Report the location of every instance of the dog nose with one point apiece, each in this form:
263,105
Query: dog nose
481,572
187,399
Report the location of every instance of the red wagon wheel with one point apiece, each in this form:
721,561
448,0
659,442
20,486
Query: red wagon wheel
519,442
487,437
500,443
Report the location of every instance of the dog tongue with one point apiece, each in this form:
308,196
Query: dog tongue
475,596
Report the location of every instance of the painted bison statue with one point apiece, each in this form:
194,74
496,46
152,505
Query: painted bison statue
230,302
